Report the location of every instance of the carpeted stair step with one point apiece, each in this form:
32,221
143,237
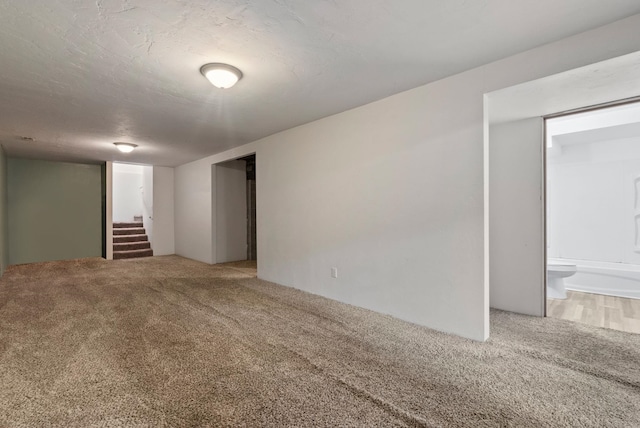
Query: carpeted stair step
130,241
131,254
129,238
129,231
127,225
126,246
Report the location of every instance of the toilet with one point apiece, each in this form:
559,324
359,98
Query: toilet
556,273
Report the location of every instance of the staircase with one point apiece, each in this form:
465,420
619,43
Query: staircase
130,241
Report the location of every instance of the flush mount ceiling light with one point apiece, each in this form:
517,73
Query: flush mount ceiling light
221,76
125,147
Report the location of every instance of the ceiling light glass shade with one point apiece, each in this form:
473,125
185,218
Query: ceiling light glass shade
221,76
125,147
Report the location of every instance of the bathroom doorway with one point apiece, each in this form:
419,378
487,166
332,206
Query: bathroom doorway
514,165
592,175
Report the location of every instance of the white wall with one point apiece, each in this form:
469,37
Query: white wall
593,196
230,233
109,208
163,211
146,200
391,193
516,216
127,185
194,218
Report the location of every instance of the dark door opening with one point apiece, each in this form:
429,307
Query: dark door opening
252,248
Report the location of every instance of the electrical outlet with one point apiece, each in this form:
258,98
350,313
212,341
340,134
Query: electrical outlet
334,272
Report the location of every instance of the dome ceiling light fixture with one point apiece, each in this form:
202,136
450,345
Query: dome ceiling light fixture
125,147
220,75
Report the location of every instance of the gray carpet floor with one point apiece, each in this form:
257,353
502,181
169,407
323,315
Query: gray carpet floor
167,341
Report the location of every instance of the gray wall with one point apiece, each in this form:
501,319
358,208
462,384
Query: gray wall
4,253
54,210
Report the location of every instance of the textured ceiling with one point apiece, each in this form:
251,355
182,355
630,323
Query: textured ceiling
77,75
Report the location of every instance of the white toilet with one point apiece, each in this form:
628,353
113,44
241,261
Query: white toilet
556,273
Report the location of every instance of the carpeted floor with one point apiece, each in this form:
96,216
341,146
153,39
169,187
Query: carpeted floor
167,341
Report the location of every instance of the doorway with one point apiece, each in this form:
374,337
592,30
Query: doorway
132,211
593,216
515,217
235,214
252,244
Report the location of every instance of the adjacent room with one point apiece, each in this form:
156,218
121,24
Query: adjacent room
593,217
287,214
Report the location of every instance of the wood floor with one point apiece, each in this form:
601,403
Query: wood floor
617,313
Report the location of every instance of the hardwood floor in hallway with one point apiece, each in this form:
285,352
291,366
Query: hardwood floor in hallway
617,313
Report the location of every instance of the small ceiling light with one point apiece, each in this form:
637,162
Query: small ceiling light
125,147
221,76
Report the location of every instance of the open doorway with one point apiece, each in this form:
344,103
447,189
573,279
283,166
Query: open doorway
132,211
252,244
235,228
593,217
515,219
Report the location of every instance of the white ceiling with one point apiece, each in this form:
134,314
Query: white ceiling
77,75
